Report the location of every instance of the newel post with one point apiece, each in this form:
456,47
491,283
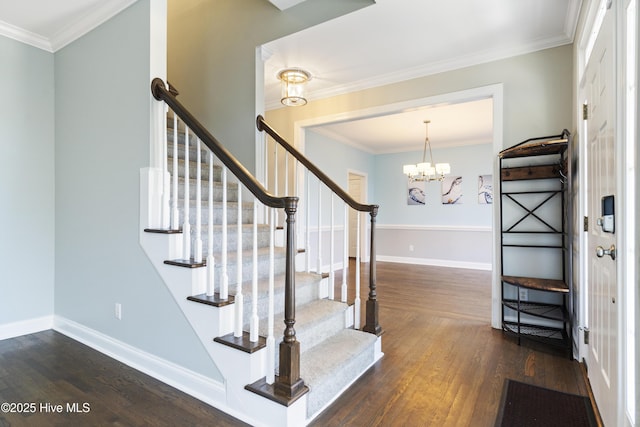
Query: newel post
372,325
289,383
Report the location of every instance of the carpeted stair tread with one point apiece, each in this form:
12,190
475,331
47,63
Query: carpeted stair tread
303,281
333,364
315,321
307,290
247,265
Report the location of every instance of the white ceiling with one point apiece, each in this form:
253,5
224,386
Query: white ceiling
397,40
52,24
390,41
458,124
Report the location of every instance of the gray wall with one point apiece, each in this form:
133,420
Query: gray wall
102,141
212,47
26,183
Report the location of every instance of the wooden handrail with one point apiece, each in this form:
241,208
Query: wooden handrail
262,125
372,324
161,93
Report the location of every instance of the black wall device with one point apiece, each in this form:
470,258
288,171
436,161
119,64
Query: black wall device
608,215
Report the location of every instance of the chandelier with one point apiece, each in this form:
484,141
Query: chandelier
427,171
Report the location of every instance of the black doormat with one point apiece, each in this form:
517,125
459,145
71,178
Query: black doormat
525,405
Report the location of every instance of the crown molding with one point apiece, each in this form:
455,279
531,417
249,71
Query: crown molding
72,32
92,20
432,68
24,36
571,23
439,67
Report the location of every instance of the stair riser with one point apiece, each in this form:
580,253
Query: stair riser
193,149
304,295
350,370
232,239
247,269
232,191
316,333
232,214
217,170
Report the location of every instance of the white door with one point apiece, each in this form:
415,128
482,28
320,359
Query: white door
602,360
356,190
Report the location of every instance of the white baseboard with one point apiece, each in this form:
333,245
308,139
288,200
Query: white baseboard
436,262
199,386
25,327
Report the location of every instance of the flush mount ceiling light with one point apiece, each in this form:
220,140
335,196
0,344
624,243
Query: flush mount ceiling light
293,81
426,171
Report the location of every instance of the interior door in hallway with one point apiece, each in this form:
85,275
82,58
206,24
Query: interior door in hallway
602,288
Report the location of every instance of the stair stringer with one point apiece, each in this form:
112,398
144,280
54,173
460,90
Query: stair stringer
237,368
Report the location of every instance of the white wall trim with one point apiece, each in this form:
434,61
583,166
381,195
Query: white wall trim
24,36
25,327
192,383
436,262
99,15
420,227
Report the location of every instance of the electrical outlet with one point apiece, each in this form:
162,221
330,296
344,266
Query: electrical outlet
524,294
118,312
410,248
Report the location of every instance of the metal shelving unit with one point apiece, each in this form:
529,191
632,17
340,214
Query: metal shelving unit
535,213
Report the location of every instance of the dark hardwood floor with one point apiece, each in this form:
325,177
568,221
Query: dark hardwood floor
443,366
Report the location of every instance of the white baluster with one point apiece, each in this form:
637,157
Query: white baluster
197,257
253,329
265,141
275,169
331,252
166,177
271,341
211,281
307,237
319,265
356,303
239,298
286,173
175,214
186,226
224,275
301,205
345,255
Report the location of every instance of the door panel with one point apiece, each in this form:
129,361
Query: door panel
602,281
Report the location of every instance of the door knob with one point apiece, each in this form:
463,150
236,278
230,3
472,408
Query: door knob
600,252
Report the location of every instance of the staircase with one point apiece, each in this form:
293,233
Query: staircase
240,296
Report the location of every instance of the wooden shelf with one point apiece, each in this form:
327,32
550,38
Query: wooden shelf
537,147
532,172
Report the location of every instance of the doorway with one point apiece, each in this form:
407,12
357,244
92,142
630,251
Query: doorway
493,92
